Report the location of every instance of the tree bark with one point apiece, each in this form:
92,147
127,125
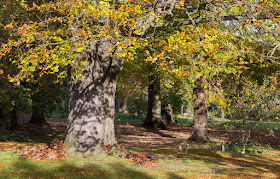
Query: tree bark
153,119
63,104
37,116
200,100
222,113
167,114
14,124
91,105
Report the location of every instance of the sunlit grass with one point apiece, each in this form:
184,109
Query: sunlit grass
199,163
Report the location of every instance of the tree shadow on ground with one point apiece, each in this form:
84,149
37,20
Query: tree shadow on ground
239,165
159,133
27,169
23,168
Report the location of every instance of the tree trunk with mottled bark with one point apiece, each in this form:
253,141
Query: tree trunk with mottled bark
91,105
153,119
200,101
167,114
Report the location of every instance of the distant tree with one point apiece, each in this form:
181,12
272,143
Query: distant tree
254,99
153,119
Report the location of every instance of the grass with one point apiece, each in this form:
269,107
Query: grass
265,125
185,121
58,114
199,162
217,122
101,167
128,119
238,124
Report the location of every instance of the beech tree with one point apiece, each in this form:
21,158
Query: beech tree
93,37
201,59
221,35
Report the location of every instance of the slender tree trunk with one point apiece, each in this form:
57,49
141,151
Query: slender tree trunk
117,105
154,119
37,116
92,101
63,104
222,113
14,123
62,100
200,100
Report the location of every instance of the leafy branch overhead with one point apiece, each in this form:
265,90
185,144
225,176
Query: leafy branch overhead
55,33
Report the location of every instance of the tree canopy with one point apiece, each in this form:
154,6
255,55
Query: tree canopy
91,38
54,33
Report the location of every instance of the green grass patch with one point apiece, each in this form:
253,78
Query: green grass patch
185,121
225,124
58,114
128,119
198,163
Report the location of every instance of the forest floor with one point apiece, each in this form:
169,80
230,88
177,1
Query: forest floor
200,161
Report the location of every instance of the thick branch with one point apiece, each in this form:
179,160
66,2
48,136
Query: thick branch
201,20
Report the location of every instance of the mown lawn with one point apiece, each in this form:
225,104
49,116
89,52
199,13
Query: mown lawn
197,164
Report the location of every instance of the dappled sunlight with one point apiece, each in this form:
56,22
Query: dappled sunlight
233,164
197,161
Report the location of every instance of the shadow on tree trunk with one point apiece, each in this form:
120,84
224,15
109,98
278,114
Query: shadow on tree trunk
154,120
200,101
92,100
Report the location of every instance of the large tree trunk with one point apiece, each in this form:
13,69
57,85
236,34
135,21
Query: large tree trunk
154,119
91,106
200,100
37,116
